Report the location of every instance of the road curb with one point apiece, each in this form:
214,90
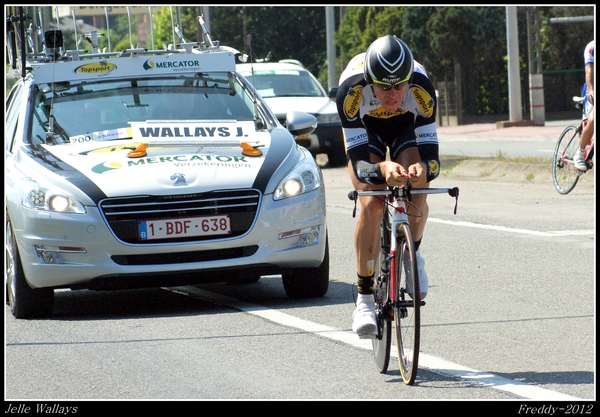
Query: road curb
492,169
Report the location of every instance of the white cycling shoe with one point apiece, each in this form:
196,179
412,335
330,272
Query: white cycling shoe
423,281
579,160
364,322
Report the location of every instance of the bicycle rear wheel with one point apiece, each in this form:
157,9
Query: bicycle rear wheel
564,173
383,341
407,308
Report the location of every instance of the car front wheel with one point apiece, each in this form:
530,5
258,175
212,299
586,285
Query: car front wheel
24,301
308,282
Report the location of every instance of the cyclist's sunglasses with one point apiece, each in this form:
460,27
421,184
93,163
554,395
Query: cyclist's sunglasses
388,86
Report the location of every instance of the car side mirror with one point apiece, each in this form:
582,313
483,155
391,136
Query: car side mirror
333,92
300,123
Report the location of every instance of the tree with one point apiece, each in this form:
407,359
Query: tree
285,32
440,37
562,54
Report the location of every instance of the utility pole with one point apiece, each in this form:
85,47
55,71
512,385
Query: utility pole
514,80
536,77
330,36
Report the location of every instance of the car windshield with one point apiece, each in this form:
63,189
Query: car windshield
285,83
80,108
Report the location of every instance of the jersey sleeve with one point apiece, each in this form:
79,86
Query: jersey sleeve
425,123
348,100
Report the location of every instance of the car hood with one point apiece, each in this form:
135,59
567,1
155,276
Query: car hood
313,105
161,157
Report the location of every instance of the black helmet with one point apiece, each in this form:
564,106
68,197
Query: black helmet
389,60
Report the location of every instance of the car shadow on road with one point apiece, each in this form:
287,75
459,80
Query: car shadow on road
160,302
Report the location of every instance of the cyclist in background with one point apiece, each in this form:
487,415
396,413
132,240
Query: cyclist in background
386,101
588,107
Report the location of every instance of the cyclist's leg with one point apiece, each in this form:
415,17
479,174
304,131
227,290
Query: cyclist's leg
585,138
367,241
418,213
588,130
366,234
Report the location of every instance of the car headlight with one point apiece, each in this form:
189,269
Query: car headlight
328,118
303,178
38,197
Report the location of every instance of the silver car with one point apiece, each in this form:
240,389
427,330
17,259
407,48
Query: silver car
286,86
154,168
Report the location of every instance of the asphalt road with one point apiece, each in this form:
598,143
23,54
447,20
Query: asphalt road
510,317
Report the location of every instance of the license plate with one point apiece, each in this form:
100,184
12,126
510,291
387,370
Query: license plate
186,227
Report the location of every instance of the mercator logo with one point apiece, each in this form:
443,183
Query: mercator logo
106,166
148,65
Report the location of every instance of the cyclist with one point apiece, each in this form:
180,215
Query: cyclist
588,108
386,101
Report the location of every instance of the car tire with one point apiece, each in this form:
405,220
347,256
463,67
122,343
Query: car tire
337,158
25,302
308,282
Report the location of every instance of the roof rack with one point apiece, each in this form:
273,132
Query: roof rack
30,51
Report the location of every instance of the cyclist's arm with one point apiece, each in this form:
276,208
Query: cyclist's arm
348,100
424,107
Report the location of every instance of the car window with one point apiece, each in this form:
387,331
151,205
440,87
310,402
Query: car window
285,83
81,108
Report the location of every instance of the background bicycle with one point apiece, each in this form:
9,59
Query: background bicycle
564,173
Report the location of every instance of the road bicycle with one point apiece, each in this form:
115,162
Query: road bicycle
397,291
564,173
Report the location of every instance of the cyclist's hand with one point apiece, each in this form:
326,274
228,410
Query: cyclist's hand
417,174
394,173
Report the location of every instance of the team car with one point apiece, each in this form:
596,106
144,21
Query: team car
285,86
153,168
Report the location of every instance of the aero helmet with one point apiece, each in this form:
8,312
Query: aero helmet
389,60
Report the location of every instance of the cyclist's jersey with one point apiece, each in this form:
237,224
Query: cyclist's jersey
588,59
369,128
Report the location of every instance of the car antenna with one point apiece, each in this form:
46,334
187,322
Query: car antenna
257,120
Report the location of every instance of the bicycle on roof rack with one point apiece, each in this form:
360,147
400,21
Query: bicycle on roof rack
28,44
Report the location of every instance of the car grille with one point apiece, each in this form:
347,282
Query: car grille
124,214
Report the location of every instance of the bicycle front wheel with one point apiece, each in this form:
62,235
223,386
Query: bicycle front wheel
564,173
407,305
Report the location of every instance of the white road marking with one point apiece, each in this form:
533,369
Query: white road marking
429,362
513,230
